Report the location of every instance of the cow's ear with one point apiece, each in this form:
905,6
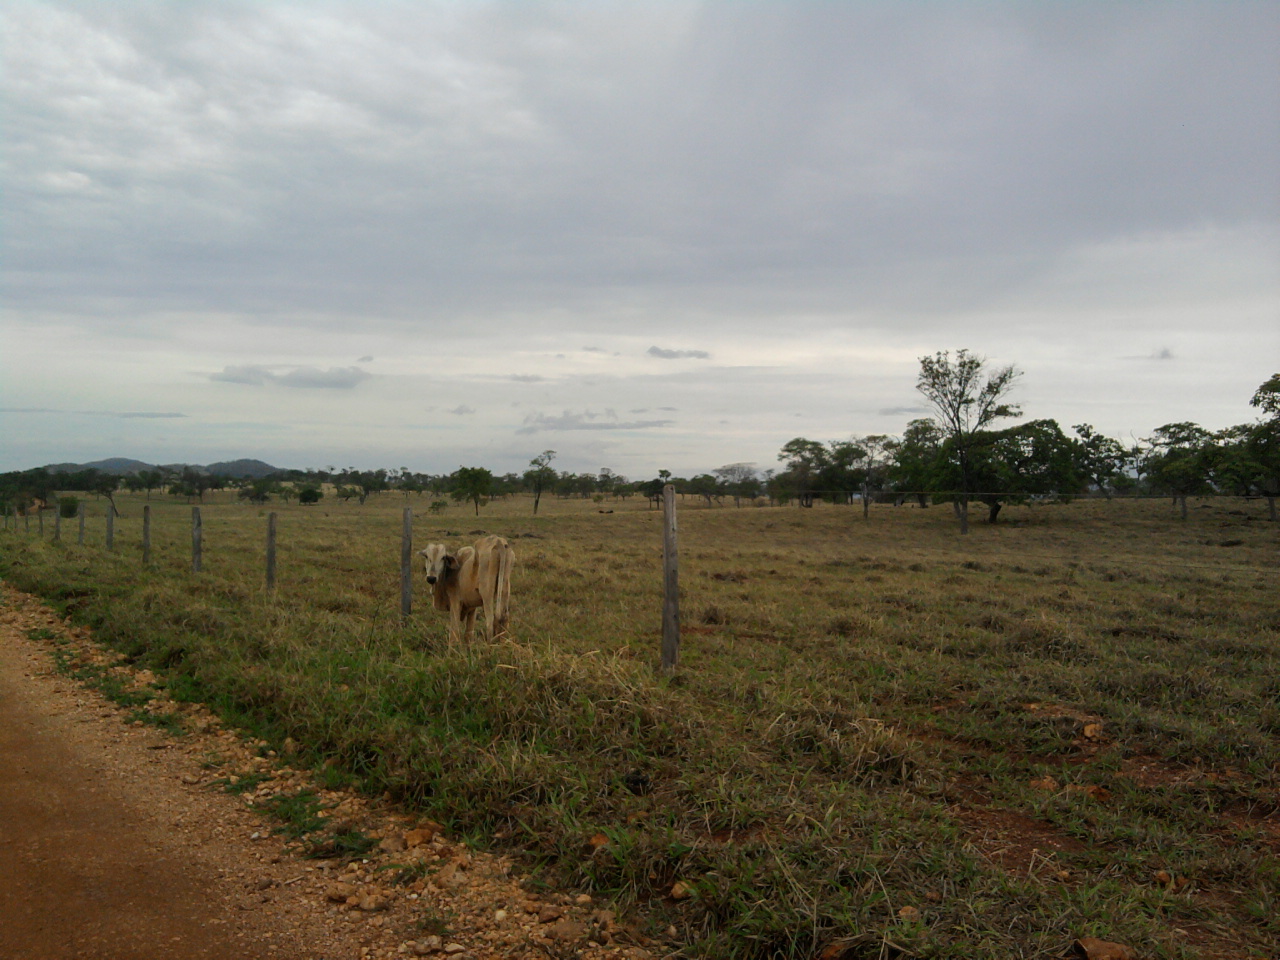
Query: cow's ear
451,561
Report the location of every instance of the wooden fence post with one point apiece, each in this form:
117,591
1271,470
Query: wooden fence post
196,545
866,500
111,528
406,565
271,552
57,524
146,534
26,522
80,535
40,518
671,584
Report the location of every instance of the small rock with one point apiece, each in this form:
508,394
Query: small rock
582,898
909,913
681,890
566,930
372,902
455,948
499,915
392,845
1046,783
340,892
416,838
1091,948
549,913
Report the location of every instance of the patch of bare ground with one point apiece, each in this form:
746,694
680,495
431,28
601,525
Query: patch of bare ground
1020,844
125,843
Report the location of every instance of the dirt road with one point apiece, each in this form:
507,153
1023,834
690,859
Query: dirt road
119,841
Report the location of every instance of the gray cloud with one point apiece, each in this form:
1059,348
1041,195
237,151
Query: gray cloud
366,359
910,411
461,410
527,378
662,354
587,420
132,415
335,378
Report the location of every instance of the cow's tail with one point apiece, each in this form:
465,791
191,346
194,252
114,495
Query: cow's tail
502,588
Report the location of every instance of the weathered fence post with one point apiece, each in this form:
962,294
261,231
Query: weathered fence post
80,535
57,525
40,518
146,534
271,552
406,565
111,528
866,500
26,522
196,545
671,584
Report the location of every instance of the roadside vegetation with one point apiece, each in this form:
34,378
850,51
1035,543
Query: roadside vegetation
883,740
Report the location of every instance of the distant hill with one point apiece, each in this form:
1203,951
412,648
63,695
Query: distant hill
117,465
241,468
124,466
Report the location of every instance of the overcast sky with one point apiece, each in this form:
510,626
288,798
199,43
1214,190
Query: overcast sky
645,235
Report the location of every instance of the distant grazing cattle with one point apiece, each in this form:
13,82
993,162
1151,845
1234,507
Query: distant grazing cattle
32,507
474,577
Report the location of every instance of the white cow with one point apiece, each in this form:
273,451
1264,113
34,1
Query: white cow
474,577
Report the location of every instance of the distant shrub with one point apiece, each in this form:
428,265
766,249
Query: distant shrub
68,507
310,495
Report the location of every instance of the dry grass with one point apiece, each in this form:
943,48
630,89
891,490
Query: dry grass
1013,733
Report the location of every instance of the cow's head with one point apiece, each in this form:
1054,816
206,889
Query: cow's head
439,563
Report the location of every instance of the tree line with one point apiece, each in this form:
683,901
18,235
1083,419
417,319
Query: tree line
959,455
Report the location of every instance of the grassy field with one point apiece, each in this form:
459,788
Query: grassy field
884,739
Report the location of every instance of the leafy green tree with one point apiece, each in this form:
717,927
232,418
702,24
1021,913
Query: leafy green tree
914,460
739,480
472,483
105,485
259,491
1014,465
1102,459
309,495
1179,461
1263,442
966,399
706,486
805,461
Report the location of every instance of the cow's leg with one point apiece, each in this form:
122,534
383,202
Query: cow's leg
470,622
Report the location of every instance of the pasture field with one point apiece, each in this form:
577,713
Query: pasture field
884,740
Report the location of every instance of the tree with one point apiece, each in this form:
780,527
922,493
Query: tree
1034,459
310,494
914,459
805,460
1179,461
1102,459
472,483
706,486
1263,442
105,485
739,480
258,491
966,399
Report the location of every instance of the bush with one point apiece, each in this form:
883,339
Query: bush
68,507
310,495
